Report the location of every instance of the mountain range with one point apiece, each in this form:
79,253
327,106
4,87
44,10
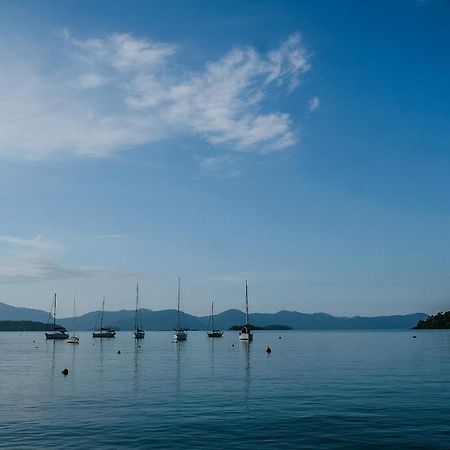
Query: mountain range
166,319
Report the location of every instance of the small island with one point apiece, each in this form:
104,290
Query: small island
267,327
439,321
23,325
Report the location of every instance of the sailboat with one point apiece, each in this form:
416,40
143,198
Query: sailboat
180,333
214,333
138,333
246,333
73,339
103,332
57,331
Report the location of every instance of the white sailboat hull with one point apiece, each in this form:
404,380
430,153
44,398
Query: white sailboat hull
245,336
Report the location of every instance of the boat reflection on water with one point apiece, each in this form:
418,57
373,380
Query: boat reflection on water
180,407
247,373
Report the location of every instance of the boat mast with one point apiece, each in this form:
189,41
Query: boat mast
74,316
101,316
212,316
136,324
178,307
54,316
246,303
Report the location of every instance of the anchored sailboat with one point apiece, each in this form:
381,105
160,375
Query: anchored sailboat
57,331
73,339
138,332
246,333
103,332
214,333
180,333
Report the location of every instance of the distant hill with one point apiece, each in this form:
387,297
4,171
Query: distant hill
166,320
439,321
8,312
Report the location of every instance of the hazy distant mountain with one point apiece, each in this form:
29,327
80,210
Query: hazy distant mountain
166,320
162,320
8,312
322,321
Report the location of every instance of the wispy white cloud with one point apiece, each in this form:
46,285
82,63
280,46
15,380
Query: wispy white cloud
122,51
313,104
92,80
36,243
221,103
258,277
113,237
224,165
25,260
29,269
112,93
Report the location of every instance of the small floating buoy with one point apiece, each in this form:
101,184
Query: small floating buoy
139,346
118,352
414,337
232,345
36,346
268,350
65,372
279,337
34,341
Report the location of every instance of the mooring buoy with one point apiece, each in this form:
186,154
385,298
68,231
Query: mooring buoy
65,371
268,350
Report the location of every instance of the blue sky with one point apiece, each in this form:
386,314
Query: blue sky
302,145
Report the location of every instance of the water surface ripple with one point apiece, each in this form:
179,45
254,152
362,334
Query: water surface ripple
321,390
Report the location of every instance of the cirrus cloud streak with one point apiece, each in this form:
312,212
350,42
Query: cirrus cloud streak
113,93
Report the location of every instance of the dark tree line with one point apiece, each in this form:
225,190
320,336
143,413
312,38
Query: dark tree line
441,320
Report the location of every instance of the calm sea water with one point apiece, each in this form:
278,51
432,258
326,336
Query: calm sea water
331,390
